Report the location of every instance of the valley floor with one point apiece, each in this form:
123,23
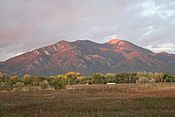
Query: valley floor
123,100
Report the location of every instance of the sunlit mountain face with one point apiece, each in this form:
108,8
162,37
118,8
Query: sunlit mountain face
30,24
88,57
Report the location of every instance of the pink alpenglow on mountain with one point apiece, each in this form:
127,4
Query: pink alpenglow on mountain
88,57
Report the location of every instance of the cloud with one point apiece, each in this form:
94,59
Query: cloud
161,8
26,25
163,47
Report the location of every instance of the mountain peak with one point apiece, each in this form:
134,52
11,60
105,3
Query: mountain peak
165,53
120,42
114,41
62,42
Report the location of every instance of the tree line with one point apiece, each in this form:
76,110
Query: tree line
72,78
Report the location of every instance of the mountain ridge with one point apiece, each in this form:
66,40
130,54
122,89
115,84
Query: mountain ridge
87,57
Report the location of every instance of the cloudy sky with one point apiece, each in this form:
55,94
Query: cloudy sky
29,24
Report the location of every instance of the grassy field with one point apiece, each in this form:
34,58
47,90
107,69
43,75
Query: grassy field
120,100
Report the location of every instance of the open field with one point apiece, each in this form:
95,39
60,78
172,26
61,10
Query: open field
123,100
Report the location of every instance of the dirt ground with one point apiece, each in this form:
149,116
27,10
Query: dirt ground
119,100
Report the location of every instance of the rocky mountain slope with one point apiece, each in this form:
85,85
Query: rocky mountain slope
88,57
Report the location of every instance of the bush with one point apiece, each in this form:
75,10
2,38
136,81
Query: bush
58,83
168,80
13,80
142,80
152,80
44,84
36,80
19,84
4,85
99,78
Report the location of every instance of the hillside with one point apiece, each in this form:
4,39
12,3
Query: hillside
88,57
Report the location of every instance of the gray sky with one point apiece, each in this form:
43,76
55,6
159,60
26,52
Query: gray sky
29,24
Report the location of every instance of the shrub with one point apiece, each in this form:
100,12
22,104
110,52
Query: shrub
19,84
152,80
4,85
44,84
142,80
36,80
57,82
13,80
168,80
99,78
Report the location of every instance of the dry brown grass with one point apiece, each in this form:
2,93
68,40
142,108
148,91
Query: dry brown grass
92,101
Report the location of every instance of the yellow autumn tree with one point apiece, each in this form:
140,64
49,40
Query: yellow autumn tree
72,77
75,75
27,79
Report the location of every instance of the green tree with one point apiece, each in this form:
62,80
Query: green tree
58,81
99,78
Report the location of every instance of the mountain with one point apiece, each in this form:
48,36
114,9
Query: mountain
88,57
